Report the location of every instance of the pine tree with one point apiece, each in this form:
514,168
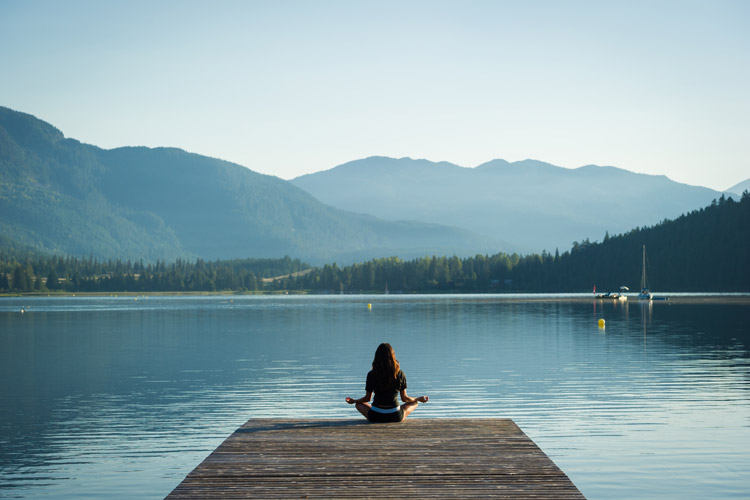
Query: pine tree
53,283
20,278
4,283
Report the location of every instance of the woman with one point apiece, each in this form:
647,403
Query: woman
386,380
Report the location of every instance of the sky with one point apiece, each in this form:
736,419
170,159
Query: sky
293,87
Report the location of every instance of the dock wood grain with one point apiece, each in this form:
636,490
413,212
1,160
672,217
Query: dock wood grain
421,458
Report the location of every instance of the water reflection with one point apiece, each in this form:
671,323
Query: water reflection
122,397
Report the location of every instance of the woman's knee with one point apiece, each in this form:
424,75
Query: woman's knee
363,408
407,408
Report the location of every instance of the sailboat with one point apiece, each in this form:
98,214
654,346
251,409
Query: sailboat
645,293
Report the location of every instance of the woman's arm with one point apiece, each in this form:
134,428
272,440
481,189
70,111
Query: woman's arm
408,399
365,399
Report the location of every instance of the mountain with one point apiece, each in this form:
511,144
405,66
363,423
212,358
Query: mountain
739,188
532,204
59,195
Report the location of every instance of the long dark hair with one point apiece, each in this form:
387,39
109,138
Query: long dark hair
385,366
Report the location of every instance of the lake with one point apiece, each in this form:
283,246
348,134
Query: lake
121,397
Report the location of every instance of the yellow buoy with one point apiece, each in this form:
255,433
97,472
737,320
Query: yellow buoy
601,323
369,306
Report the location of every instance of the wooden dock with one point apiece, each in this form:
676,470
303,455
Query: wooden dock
421,458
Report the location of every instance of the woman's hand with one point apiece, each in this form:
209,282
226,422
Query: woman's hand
423,399
350,400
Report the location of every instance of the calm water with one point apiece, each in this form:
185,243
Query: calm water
121,398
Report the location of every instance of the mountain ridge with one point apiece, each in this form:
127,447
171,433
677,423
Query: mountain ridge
59,195
534,204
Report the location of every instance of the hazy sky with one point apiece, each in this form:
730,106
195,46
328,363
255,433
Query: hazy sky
287,88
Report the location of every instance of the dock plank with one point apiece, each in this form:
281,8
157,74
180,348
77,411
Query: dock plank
425,458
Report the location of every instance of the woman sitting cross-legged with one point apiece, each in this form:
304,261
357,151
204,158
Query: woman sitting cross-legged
386,380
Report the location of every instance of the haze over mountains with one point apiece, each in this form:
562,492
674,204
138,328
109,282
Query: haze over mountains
62,196
59,195
530,205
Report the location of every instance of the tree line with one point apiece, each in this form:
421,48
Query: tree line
705,250
71,274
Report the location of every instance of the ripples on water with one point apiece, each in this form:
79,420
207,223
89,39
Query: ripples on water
118,397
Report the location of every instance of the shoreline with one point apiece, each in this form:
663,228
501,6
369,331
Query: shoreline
741,298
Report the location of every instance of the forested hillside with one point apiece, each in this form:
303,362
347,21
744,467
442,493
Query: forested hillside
707,250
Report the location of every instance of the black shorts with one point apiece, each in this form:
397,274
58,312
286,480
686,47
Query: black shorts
381,418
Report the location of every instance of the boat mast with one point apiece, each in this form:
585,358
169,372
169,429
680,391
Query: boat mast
643,273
